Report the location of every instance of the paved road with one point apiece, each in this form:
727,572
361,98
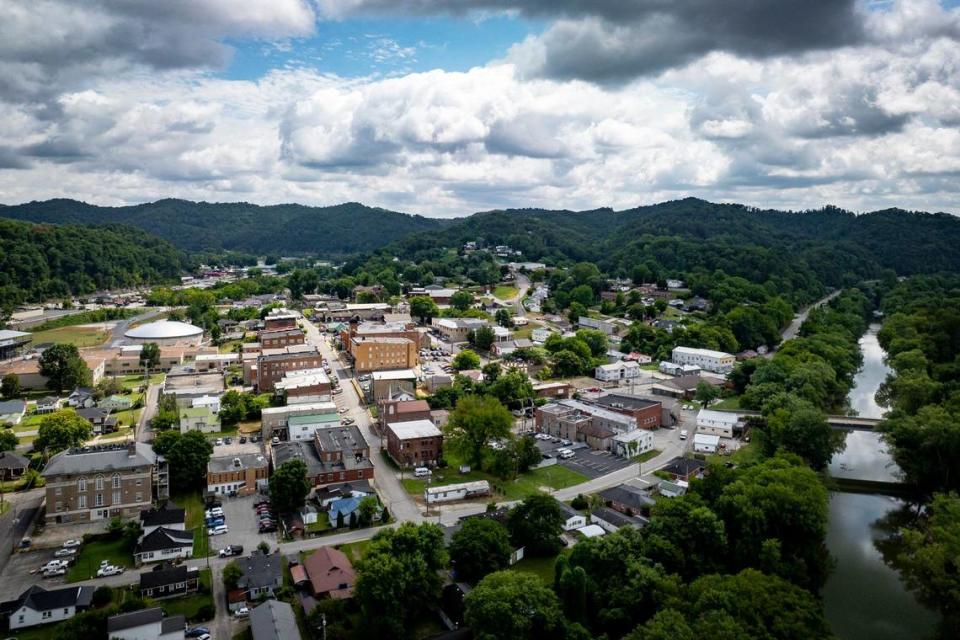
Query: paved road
523,285
119,329
794,327
15,522
143,432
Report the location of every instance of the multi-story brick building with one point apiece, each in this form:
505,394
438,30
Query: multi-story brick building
394,329
273,364
279,319
97,483
402,411
306,385
243,474
281,338
383,354
414,443
336,454
648,413
579,421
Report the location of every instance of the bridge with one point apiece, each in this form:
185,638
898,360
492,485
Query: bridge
852,423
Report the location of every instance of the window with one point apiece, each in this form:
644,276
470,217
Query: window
47,614
99,500
117,499
116,481
82,501
59,505
99,483
82,485
139,497
58,491
139,482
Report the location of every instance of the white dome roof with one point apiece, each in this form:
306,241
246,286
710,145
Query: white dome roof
164,329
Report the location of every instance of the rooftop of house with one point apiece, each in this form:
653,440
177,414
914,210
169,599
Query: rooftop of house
624,401
12,460
628,495
164,574
169,513
684,466
414,429
39,599
12,406
330,571
161,539
103,458
274,620
142,617
260,570
344,438
617,519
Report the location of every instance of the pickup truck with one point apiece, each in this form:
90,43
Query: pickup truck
54,572
54,564
109,570
231,550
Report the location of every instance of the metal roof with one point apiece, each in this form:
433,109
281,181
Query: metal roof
164,329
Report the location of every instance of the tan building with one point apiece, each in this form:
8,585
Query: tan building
383,354
274,364
243,474
98,483
396,329
457,330
402,411
28,371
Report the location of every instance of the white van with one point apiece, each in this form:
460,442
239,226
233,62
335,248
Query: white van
683,434
421,472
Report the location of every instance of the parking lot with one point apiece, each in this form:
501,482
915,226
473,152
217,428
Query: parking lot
241,519
585,460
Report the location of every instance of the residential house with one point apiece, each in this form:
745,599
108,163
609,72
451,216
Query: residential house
607,327
12,411
201,419
506,347
414,443
48,404
116,403
326,495
81,397
262,575
100,482
669,489
386,384
706,359
706,443
331,574
210,402
37,606
540,335
685,469
12,465
274,620
241,475
164,544
572,519
309,514
718,423
146,624
402,411
627,499
611,520
100,419
167,515
617,371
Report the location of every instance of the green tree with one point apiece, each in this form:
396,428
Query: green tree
479,547
10,387
424,308
398,577
528,453
536,524
926,446
62,430
187,455
595,340
511,605
149,356
233,408
289,486
231,575
511,387
367,510
483,338
64,368
800,428
504,318
465,360
706,393
461,300
473,424
8,440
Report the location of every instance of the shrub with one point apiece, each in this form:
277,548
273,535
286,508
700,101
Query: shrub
579,503
205,612
102,596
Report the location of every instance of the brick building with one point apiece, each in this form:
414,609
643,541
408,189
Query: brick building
243,474
281,338
414,443
647,412
336,454
274,364
383,354
97,483
279,319
402,411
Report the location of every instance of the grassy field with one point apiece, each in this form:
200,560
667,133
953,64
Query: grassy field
81,336
195,521
354,550
649,455
133,382
730,404
505,291
92,553
540,567
553,477
189,606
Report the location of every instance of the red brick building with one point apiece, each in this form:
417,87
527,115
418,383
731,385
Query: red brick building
281,338
273,364
417,443
647,412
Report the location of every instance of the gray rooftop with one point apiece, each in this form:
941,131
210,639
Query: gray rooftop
100,459
274,620
260,570
236,463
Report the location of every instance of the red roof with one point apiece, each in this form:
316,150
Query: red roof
298,574
413,406
330,572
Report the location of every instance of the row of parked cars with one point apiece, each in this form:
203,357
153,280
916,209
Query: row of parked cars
216,521
63,557
266,521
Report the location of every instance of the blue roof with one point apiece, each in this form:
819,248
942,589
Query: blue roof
346,506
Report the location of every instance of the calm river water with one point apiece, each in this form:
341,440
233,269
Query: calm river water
864,598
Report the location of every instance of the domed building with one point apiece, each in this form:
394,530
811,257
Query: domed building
165,333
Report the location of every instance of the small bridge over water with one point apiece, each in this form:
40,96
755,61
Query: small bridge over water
853,423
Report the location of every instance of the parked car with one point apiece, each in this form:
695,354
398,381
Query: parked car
65,553
215,522
218,530
347,421
231,550
205,636
214,512
421,472
683,434
242,612
72,544
243,439
218,442
565,442
228,440
268,528
197,632
109,570
54,564
343,410
54,573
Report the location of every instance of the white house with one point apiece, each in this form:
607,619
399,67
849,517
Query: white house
632,443
718,423
12,411
540,334
675,369
164,544
616,371
707,359
211,402
462,491
572,519
37,606
201,419
705,443
146,624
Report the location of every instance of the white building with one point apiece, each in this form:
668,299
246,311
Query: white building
708,359
146,624
616,371
460,491
211,402
600,325
572,519
37,606
540,335
633,443
304,427
705,443
718,423
674,369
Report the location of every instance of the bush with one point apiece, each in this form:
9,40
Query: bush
579,503
102,596
205,612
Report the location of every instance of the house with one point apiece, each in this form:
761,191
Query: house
627,499
616,371
414,443
100,419
540,335
456,330
12,465
718,423
240,475
670,489
308,514
705,443
325,496
81,397
168,515
166,581
262,574
676,369
100,482
48,404
211,402
116,403
685,469
274,620
331,574
387,384
146,624
342,507
200,419
591,531
164,544
607,327
506,347
707,359
335,455
37,606
461,491
12,411
402,411
572,519
611,520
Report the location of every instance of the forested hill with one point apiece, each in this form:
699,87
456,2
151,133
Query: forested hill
679,236
239,226
43,261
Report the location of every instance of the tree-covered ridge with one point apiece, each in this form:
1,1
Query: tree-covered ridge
240,226
43,261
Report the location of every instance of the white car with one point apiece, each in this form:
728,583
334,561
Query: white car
218,442
218,531
109,570
53,564
242,612
344,410
215,513
53,573
72,544
683,434
65,553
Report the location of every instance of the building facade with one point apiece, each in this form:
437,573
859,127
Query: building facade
706,359
242,475
383,354
274,364
416,443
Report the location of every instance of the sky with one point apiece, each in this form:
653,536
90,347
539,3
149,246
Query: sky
447,107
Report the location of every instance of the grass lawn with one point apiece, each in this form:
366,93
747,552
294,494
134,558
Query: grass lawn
188,606
92,553
527,331
230,346
135,381
192,503
541,567
4,507
29,423
248,427
320,526
729,404
649,455
80,336
128,417
505,291
354,550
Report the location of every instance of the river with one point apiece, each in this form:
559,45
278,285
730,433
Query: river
864,599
